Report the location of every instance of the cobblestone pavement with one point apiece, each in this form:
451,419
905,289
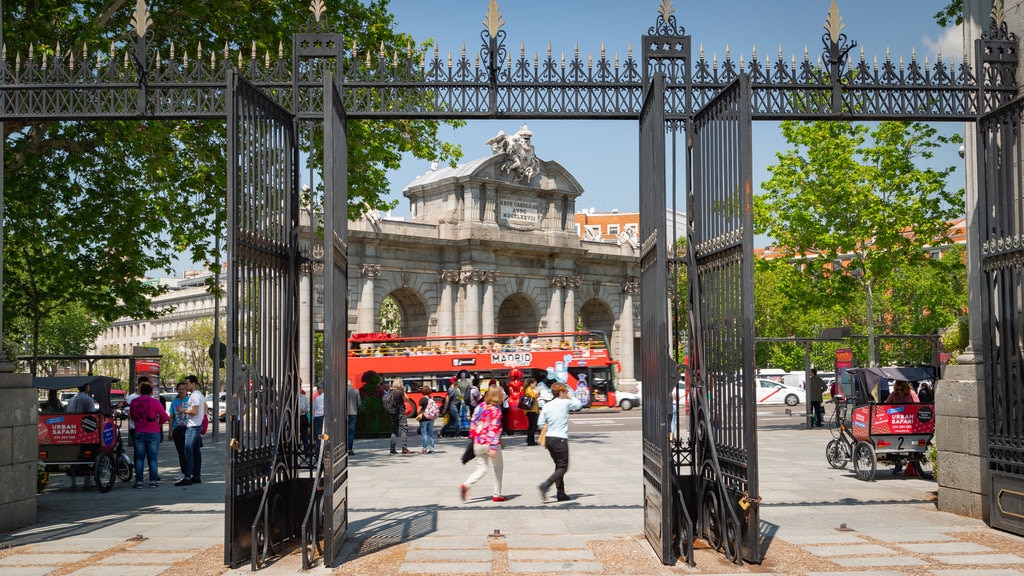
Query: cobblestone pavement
406,517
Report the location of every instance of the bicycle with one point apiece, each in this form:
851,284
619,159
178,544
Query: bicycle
839,450
124,467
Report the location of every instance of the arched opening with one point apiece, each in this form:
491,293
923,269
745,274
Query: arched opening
596,315
517,314
404,312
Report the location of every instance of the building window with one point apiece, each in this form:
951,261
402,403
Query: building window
631,230
613,229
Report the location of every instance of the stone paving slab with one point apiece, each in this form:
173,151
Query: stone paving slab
553,541
133,558
76,544
986,572
49,558
849,550
816,537
454,554
445,568
101,570
551,555
945,547
854,562
981,559
28,570
860,573
560,567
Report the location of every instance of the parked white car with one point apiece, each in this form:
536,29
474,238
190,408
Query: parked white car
771,392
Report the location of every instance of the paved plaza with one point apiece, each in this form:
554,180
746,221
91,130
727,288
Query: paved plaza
406,517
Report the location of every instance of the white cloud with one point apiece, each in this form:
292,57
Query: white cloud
950,44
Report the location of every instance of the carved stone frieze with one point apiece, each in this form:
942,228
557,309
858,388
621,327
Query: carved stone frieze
370,271
448,276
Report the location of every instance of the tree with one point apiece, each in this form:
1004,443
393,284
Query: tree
390,316
91,206
66,331
855,211
192,346
951,15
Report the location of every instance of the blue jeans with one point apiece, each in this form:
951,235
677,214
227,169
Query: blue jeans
427,434
193,454
147,445
318,429
351,432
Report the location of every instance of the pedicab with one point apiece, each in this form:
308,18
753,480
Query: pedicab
896,434
83,443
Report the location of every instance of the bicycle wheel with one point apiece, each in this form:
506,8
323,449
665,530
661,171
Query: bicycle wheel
864,461
123,466
837,453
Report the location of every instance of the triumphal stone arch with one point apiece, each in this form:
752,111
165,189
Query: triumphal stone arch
491,247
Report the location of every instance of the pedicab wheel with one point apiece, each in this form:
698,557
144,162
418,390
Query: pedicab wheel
104,471
923,467
864,462
125,470
836,452
711,521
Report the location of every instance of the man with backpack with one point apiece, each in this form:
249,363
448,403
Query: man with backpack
452,407
394,405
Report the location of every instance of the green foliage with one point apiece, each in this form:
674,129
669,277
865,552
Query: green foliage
951,15
390,316
68,330
850,204
92,206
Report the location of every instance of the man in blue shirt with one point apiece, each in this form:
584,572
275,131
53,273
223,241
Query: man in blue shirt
555,417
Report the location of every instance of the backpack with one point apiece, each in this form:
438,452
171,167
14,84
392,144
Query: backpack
390,404
431,411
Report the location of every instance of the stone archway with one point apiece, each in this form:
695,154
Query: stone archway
517,313
413,310
595,314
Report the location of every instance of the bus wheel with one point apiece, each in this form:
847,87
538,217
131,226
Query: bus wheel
410,408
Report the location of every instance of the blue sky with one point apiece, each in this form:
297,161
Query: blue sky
602,155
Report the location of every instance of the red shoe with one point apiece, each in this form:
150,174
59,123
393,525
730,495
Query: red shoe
463,490
499,499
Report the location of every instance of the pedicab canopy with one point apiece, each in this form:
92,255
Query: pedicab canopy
869,379
100,387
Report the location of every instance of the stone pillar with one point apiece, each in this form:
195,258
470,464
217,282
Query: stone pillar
572,283
555,304
366,311
630,287
471,284
961,432
446,307
19,452
490,196
471,203
488,313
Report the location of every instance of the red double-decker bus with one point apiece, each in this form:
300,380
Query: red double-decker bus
436,360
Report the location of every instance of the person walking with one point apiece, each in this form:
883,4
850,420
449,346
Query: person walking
533,412
816,390
149,417
452,407
193,433
394,405
426,413
318,416
555,416
354,402
178,425
485,432
304,423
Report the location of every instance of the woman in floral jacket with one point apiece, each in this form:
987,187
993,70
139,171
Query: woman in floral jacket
485,431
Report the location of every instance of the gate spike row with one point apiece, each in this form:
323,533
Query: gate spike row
227,55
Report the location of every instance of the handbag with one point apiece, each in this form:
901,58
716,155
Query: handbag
525,402
543,434
468,454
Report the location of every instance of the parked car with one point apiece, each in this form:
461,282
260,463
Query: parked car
222,405
771,392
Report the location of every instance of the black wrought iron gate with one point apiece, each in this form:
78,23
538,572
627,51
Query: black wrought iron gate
704,485
720,232
265,488
1001,215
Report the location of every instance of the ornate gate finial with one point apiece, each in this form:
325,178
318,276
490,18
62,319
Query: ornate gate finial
834,22
317,7
493,20
141,20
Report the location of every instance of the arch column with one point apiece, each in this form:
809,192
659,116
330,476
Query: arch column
366,318
471,284
572,283
446,307
555,304
487,311
630,287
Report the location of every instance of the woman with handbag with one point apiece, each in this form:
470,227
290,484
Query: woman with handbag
485,432
528,404
555,437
